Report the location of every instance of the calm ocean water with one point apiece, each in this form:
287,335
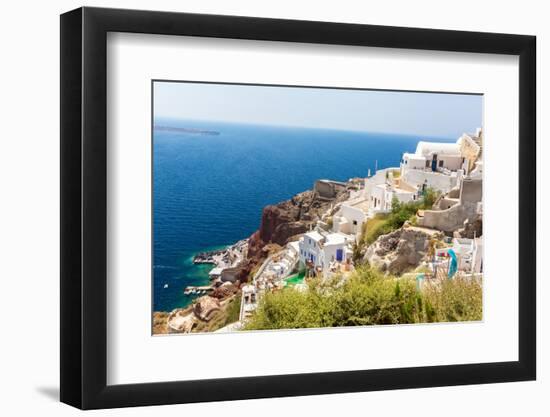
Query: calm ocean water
209,191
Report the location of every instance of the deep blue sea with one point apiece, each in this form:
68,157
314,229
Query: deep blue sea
209,191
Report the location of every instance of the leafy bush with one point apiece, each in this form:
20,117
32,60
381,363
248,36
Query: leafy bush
455,299
400,213
428,199
367,297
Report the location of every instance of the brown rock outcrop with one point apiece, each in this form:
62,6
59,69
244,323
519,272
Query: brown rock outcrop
181,320
206,307
402,249
471,229
283,222
225,290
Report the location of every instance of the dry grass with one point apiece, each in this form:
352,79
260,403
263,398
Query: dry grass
227,315
374,227
456,299
160,321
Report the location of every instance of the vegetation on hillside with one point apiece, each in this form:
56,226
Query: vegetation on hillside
455,300
229,314
160,322
367,297
383,224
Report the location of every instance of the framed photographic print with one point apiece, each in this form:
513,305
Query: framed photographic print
256,208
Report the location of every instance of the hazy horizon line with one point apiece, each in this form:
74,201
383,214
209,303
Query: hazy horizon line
282,125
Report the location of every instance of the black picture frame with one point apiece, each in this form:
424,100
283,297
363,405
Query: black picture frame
84,207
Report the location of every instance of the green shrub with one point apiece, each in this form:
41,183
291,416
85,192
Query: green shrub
400,213
455,299
428,198
375,227
367,297
233,310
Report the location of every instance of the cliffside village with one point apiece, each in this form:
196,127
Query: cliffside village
441,242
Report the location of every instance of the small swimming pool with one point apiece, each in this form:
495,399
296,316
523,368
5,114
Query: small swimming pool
296,279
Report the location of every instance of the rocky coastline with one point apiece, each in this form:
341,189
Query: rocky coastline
210,257
280,223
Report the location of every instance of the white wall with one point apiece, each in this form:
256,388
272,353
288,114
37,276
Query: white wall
329,254
309,247
434,180
340,224
404,197
30,70
413,162
378,195
353,214
450,162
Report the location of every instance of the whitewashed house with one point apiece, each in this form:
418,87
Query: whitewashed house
436,165
433,156
442,166
350,217
382,195
322,251
310,248
469,254
335,249
249,302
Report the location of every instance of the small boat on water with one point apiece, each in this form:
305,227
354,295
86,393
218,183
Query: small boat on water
165,285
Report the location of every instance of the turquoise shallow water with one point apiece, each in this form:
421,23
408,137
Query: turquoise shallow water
209,190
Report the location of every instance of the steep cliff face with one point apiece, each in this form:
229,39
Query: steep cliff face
283,222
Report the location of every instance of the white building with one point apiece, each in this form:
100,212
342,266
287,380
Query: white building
382,195
434,164
335,249
376,196
311,248
434,156
293,248
350,217
249,302
469,253
322,251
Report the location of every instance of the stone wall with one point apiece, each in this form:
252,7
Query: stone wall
442,219
450,219
471,190
231,274
453,218
328,189
445,203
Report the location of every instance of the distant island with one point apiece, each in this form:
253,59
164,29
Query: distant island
191,130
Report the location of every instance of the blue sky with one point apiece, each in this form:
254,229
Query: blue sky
427,114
